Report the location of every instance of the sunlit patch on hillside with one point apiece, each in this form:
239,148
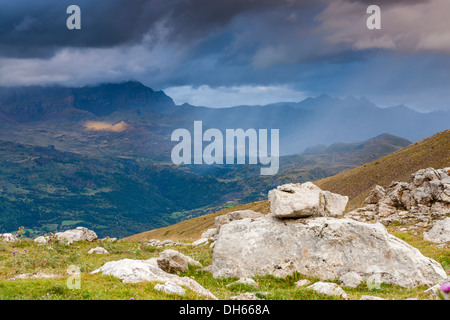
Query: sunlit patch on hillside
105,126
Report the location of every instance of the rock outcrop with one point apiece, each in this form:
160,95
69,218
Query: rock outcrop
427,196
326,248
305,200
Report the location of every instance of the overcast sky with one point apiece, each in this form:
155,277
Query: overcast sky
230,52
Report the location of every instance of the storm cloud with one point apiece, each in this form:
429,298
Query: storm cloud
306,46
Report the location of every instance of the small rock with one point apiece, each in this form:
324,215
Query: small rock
9,237
329,289
302,283
38,275
173,261
170,288
78,234
98,250
41,239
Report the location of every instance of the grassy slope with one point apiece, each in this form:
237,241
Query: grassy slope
356,183
193,228
432,152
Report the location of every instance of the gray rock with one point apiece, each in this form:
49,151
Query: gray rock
170,288
305,200
135,271
78,234
200,242
173,261
351,280
210,234
326,248
98,250
427,196
439,233
41,239
235,215
302,283
375,195
329,289
8,237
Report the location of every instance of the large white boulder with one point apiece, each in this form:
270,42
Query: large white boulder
78,234
305,200
326,248
134,271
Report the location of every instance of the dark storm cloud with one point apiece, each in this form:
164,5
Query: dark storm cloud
37,28
313,46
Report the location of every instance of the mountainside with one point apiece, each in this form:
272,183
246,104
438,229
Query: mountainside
432,152
47,190
100,155
151,117
356,184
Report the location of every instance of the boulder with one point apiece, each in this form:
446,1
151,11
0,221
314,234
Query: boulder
98,250
78,234
326,248
8,237
134,271
329,289
305,200
173,261
439,233
375,195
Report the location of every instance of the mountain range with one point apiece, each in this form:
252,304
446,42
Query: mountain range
99,156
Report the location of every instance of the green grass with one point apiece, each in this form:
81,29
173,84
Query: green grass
54,258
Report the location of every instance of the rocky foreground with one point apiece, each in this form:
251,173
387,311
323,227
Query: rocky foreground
306,232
